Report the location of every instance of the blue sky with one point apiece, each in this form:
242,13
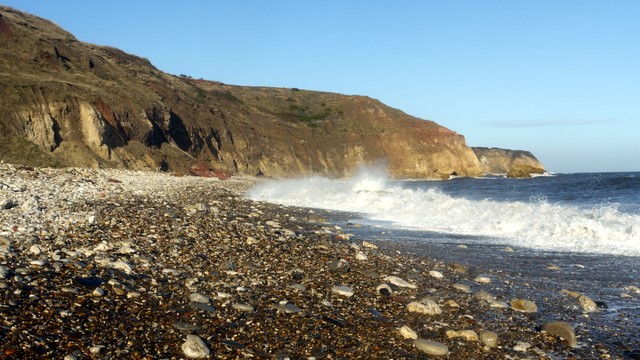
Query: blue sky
558,78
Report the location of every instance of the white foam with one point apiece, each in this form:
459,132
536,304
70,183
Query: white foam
535,224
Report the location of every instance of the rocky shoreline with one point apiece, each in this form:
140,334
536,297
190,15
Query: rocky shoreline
113,264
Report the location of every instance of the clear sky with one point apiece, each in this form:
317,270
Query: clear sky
558,78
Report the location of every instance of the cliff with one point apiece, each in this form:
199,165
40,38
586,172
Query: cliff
501,161
69,103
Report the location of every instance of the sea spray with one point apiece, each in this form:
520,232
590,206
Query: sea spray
533,221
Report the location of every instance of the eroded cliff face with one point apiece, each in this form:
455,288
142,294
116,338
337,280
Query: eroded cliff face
86,105
501,161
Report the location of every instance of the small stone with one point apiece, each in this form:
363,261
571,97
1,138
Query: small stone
122,265
98,292
339,266
461,287
119,291
7,204
524,306
633,289
133,295
199,298
394,280
251,240
431,347
459,268
22,271
452,303
522,346
489,338
360,256
96,349
183,326
35,250
343,290
426,307
195,348
407,332
587,304
508,249
436,274
298,287
4,272
482,279
69,289
201,306
242,307
288,308
498,305
384,289
484,296
70,357
563,330
468,335
368,245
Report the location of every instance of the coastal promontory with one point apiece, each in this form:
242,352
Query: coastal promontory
70,103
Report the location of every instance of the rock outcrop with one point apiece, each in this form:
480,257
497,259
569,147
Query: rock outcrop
80,104
501,161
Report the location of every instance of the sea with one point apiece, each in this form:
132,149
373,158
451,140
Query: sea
585,226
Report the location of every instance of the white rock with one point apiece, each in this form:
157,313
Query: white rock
243,307
103,246
407,333
251,240
427,307
489,338
195,348
482,279
122,265
462,287
522,346
384,289
361,256
97,292
369,245
343,290
468,335
35,250
96,349
499,305
632,288
273,224
199,298
436,274
587,304
394,280
133,295
223,295
431,347
37,262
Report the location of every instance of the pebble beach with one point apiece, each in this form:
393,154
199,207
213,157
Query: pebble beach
113,264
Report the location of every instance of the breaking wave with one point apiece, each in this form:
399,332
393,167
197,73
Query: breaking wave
535,223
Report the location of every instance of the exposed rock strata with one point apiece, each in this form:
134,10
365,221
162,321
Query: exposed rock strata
500,161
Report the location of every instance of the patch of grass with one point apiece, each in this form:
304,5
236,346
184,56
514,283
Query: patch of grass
16,150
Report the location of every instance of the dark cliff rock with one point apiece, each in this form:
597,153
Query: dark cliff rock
83,105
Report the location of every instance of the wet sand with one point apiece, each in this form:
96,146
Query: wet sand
122,265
